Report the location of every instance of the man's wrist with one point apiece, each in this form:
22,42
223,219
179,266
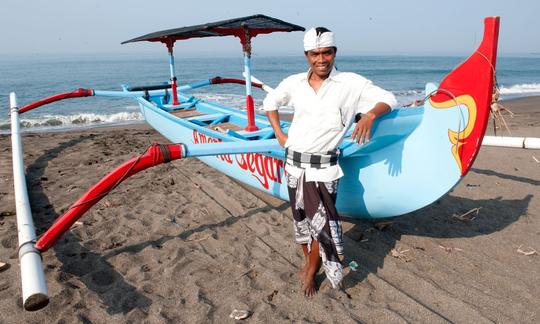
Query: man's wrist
370,115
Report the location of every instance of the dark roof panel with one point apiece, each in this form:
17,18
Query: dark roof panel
256,24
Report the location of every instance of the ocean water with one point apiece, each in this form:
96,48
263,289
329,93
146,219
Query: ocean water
33,78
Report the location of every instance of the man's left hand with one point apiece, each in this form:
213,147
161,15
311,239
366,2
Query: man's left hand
362,130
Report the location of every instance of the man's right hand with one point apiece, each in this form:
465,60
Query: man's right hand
282,138
273,118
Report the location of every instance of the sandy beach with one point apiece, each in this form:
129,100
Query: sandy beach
183,243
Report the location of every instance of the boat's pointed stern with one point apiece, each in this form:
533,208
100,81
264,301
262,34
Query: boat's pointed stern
470,86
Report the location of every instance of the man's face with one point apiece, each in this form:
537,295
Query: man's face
321,61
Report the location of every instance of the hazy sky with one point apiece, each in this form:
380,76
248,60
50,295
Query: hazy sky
361,27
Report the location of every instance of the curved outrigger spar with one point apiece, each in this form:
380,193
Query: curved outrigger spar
414,157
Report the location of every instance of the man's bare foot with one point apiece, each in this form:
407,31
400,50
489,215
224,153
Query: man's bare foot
302,273
309,285
312,267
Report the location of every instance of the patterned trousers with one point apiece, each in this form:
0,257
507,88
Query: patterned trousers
316,218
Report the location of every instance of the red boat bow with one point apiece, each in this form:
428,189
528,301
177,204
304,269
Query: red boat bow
466,86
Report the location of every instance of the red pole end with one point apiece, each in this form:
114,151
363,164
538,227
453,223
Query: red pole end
251,127
174,93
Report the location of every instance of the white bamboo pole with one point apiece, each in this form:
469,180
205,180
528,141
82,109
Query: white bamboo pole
34,287
507,141
265,87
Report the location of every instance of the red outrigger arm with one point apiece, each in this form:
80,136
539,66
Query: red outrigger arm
81,92
220,80
73,94
156,154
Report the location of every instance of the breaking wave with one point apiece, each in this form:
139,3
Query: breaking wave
406,97
46,122
517,89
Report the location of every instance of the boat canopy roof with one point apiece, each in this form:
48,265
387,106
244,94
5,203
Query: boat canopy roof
252,25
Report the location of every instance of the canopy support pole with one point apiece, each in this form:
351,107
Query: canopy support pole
250,107
34,287
170,45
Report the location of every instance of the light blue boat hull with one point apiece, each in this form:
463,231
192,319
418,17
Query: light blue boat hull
407,164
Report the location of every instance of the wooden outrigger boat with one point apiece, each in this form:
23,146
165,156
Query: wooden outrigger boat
415,156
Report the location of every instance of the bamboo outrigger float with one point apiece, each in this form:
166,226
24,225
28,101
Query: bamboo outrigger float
432,146
512,141
34,287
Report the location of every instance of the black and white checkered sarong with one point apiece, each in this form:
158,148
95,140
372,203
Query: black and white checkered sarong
316,161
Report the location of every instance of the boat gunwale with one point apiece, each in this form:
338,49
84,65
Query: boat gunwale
207,107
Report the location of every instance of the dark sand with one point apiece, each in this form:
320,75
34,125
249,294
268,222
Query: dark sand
182,243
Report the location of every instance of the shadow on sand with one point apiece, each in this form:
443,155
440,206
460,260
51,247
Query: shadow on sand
434,221
77,260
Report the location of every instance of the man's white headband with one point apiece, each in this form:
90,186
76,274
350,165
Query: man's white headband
312,41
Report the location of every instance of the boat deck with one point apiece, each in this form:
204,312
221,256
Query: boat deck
224,127
221,122
186,113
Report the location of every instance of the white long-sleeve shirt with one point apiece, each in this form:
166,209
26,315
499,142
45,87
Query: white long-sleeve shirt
322,118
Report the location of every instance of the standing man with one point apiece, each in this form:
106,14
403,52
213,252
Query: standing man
325,104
